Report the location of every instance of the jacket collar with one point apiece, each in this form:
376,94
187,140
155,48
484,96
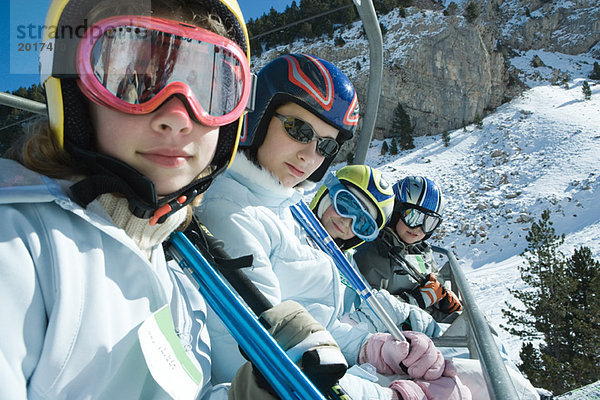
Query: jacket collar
261,182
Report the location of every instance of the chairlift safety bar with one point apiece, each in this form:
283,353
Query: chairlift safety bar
499,384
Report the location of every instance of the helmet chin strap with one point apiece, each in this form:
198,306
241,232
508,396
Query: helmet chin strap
109,175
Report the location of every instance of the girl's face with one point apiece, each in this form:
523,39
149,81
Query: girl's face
338,227
409,235
287,159
165,145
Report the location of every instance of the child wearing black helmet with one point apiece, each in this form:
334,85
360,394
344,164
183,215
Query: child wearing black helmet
400,260
90,306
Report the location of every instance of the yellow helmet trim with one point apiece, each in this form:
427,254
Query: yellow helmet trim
53,87
234,7
54,104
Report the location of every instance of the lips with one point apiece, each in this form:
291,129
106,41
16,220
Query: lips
337,227
169,158
295,171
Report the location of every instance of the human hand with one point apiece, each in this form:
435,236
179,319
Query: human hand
306,342
250,385
418,356
444,388
449,303
385,353
431,290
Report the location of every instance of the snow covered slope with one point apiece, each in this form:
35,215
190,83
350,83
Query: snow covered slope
540,151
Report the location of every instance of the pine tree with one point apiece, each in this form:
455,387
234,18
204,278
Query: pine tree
595,74
479,121
402,127
561,307
10,118
446,138
394,147
587,92
350,158
384,148
339,41
472,11
451,9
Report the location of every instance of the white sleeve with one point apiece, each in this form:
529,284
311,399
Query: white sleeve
242,234
23,318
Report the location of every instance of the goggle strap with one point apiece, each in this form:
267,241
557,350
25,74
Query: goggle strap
252,99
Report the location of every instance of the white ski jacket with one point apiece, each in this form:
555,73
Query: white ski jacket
248,209
74,290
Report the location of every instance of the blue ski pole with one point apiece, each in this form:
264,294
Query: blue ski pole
313,227
283,375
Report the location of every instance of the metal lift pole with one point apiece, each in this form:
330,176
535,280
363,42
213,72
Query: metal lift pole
497,379
366,11
22,103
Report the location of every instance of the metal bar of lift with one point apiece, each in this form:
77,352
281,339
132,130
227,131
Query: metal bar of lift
21,103
498,381
366,11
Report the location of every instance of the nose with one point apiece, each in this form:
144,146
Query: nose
308,153
346,223
172,117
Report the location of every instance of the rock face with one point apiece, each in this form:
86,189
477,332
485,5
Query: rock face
444,79
570,27
445,71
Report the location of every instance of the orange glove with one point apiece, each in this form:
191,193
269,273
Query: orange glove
431,291
449,303
434,293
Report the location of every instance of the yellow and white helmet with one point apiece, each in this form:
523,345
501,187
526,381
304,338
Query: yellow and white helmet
68,114
369,186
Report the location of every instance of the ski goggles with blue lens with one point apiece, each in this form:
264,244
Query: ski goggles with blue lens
347,205
414,216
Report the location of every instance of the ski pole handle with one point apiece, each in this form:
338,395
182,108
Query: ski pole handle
213,248
313,227
256,300
287,379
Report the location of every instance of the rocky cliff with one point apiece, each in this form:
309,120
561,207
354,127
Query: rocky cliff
445,71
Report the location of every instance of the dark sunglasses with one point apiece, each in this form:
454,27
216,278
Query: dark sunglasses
414,216
302,132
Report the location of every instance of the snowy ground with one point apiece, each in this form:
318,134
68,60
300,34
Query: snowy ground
540,151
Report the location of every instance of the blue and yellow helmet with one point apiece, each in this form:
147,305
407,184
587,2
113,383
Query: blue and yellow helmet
369,186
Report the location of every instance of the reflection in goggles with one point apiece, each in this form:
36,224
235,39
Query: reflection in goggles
347,205
414,217
134,64
303,132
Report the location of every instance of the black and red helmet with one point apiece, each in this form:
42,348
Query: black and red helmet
311,82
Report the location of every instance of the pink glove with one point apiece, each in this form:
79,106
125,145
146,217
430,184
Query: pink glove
443,388
385,353
421,357
407,390
424,360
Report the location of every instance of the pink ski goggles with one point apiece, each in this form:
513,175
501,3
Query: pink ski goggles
134,64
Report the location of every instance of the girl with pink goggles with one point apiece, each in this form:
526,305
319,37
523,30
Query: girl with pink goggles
134,64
